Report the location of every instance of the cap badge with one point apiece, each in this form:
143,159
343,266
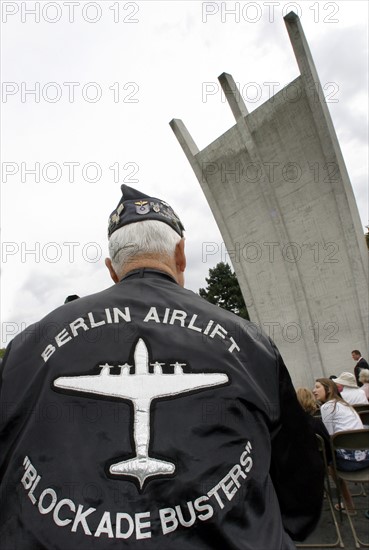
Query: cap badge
142,207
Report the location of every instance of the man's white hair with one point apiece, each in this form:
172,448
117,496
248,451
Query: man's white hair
146,238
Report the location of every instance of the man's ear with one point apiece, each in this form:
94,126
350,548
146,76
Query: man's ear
112,272
180,256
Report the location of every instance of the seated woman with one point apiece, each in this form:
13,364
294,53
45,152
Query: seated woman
339,416
308,403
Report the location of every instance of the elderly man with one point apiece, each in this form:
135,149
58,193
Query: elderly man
144,417
349,390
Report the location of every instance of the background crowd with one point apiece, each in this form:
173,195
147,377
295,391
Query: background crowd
330,407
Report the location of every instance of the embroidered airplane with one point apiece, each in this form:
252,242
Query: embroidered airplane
141,388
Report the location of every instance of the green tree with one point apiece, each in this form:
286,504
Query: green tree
2,352
224,291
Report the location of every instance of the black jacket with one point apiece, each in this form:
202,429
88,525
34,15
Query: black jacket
144,417
361,364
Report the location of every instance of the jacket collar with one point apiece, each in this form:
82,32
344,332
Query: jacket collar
147,272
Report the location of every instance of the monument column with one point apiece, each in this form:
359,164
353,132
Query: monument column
280,193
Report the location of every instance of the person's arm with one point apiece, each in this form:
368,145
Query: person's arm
297,469
327,411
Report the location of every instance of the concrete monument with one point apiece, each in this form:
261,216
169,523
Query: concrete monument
280,193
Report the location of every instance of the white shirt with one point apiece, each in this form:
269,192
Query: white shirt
365,388
354,396
338,417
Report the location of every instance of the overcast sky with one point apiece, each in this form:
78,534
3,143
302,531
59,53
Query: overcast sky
107,77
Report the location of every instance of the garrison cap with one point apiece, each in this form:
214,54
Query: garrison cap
135,206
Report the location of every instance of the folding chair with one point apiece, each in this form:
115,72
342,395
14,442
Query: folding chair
364,416
354,440
328,496
361,408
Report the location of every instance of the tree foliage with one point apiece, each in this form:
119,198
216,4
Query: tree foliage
224,291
